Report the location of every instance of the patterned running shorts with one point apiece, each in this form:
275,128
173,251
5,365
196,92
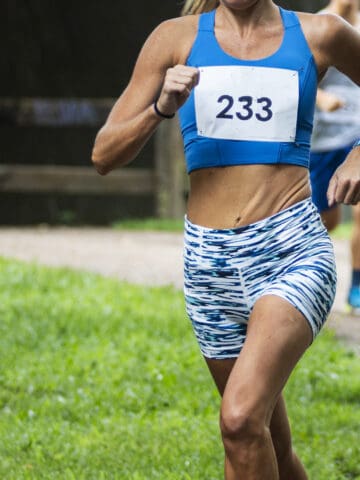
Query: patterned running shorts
288,254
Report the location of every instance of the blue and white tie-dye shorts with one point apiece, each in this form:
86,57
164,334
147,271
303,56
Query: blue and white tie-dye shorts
288,254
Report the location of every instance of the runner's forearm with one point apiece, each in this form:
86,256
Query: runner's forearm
117,144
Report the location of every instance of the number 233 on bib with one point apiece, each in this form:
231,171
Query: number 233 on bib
247,103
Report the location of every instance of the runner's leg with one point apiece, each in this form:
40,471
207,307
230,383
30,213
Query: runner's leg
254,422
288,463
354,291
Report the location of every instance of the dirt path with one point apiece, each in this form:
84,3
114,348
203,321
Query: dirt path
149,258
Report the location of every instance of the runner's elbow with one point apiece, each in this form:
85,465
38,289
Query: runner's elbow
100,154
99,162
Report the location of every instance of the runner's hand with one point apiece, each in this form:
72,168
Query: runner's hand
344,186
328,102
177,86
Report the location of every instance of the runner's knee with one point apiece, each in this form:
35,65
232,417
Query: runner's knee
240,423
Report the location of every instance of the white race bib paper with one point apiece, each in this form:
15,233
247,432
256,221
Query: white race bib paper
247,103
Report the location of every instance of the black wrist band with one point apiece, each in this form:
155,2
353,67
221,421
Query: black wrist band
163,115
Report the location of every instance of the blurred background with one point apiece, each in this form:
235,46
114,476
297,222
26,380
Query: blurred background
62,66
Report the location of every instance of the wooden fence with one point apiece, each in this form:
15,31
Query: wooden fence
166,181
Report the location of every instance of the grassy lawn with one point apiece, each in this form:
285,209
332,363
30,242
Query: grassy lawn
342,232
152,224
103,380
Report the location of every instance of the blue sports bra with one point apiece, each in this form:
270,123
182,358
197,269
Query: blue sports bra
249,111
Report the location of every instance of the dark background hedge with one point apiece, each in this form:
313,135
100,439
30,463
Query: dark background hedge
73,49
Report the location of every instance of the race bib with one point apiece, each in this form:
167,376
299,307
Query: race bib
247,103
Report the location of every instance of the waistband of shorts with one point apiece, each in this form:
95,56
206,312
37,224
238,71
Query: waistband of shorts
304,206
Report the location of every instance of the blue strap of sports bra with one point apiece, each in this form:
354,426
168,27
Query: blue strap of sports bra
207,20
289,18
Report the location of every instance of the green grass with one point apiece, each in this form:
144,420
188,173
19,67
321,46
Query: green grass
153,224
103,380
343,231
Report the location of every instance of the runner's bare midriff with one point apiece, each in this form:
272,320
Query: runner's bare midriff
230,197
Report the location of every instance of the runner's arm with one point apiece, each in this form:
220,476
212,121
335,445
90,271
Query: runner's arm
341,46
327,102
133,119
343,52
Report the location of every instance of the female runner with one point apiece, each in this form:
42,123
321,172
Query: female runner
259,266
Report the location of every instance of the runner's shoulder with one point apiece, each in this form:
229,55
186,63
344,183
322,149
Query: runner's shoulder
177,35
322,29
179,28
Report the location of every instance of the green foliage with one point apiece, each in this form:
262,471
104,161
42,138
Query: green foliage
323,398
342,231
155,224
104,380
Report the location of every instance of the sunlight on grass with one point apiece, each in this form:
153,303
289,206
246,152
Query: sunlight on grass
104,380
153,224
343,231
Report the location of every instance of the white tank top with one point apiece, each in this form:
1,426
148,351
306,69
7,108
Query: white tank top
340,128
